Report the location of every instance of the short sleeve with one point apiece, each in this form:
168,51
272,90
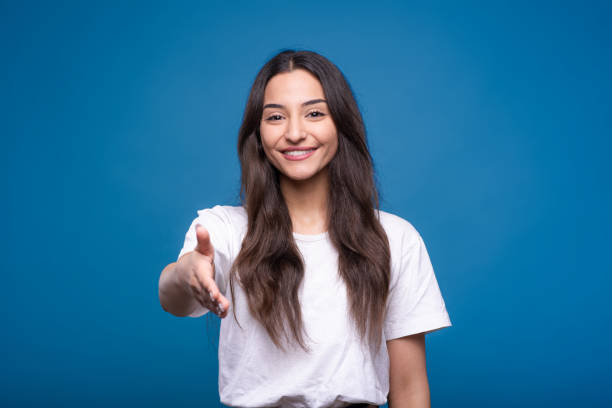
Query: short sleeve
218,223
415,303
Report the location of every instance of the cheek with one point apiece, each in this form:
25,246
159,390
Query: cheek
270,135
268,155
268,147
327,134
333,144
265,142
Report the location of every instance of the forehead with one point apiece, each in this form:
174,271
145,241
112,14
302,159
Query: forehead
295,86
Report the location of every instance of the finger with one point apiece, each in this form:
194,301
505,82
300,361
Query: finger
204,273
222,303
199,290
194,283
204,246
203,296
212,294
205,301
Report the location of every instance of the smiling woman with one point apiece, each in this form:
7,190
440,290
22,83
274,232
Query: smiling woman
330,296
293,129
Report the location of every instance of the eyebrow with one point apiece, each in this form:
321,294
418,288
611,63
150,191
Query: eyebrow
311,102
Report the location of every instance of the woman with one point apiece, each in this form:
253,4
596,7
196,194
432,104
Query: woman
330,297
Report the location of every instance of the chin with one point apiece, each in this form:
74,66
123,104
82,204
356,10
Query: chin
298,176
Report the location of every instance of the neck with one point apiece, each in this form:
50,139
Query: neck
307,202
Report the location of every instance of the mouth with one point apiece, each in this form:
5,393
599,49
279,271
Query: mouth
298,153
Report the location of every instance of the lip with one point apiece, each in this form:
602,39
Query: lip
297,158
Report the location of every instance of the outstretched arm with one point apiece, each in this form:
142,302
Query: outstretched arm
191,280
408,385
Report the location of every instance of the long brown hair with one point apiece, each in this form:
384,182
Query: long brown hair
269,266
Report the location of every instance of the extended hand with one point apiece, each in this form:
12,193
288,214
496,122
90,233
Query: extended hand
197,270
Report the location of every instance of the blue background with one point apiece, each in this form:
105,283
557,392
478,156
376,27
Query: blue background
489,123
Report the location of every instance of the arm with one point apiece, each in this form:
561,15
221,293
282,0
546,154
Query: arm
408,385
173,297
191,281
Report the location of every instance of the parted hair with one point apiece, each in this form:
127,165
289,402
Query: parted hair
269,266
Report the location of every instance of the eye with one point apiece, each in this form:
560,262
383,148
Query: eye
316,114
274,118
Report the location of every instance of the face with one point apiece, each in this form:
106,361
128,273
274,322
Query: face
298,134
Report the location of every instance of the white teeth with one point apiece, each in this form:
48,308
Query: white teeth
299,152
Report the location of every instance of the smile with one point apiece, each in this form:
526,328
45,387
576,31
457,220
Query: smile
298,154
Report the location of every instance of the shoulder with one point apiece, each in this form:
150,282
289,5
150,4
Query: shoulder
227,213
400,231
234,217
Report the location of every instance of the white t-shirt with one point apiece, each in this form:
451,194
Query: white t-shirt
338,371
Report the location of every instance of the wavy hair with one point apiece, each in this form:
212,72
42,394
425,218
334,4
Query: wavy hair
269,266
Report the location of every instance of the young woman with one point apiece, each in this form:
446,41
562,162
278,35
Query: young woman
324,298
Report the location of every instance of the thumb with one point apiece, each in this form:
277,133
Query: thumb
204,246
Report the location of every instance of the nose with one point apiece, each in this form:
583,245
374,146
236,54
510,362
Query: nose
295,133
